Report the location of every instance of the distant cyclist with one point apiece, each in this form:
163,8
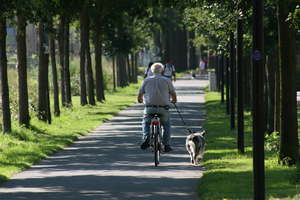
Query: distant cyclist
157,93
169,70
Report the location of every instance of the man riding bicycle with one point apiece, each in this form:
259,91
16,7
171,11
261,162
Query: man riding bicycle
156,92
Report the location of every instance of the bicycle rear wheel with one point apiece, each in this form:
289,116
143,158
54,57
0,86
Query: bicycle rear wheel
156,145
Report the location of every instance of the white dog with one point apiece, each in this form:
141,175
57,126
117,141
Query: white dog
195,146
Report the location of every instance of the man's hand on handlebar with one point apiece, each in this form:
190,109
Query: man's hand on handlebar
173,97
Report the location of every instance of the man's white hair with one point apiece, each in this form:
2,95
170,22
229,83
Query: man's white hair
157,68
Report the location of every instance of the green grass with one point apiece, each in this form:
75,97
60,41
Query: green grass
23,147
228,175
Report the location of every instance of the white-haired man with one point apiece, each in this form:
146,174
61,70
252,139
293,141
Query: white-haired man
157,92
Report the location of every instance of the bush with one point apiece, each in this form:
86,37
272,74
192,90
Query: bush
75,76
272,142
75,85
108,81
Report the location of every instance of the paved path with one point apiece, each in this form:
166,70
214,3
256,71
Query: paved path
107,164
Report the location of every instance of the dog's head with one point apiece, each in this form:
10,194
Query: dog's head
203,133
197,137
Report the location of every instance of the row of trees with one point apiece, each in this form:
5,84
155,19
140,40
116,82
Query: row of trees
215,25
98,27
255,43
117,29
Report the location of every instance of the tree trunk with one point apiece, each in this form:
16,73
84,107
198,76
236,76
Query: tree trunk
289,143
240,84
227,87
182,50
126,73
129,67
157,42
217,71
89,70
43,75
165,42
132,68
232,82
62,58
192,59
118,69
121,71
22,71
201,53
248,80
258,115
270,82
175,51
222,77
67,64
54,76
49,118
178,50
83,44
6,127
135,67
100,96
118,74
277,98
114,73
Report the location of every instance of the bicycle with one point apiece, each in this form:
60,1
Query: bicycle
155,137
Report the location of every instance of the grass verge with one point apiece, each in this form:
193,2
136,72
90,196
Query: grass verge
23,147
228,174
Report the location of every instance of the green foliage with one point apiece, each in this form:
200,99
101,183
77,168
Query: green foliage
6,8
294,18
128,34
211,22
43,10
122,24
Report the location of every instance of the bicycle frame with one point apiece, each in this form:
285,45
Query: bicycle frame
156,137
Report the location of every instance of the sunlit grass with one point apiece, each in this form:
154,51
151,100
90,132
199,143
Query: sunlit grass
23,147
228,174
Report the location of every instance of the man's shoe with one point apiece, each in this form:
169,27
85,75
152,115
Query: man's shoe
145,144
168,148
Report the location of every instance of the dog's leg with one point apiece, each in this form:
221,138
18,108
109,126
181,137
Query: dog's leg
195,159
191,156
198,159
189,148
194,155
